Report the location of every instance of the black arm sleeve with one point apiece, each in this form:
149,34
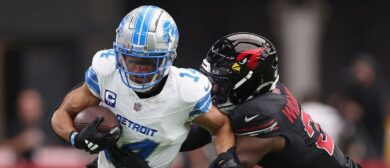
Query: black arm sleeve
197,138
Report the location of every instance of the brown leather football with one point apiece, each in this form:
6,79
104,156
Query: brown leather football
89,114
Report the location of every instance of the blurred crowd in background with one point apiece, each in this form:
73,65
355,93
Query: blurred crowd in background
333,56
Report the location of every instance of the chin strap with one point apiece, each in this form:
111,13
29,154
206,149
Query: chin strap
268,83
243,80
273,86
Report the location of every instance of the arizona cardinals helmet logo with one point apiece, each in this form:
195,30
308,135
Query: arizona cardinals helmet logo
249,58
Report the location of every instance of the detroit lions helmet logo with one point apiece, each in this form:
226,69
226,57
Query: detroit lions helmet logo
122,24
169,32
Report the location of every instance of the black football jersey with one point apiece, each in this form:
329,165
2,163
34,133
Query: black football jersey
278,113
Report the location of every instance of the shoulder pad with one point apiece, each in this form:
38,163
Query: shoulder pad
192,84
104,62
254,121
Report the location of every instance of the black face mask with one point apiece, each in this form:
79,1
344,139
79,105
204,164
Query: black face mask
220,89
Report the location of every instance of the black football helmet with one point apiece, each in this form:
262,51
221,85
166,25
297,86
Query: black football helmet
241,65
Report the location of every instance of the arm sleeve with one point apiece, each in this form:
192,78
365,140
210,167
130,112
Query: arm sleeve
197,138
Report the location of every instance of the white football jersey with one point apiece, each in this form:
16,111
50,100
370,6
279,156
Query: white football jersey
153,127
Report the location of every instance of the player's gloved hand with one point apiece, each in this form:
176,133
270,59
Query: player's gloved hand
226,159
125,159
91,140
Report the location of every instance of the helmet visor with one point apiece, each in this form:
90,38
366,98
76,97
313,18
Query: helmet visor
138,64
142,69
142,65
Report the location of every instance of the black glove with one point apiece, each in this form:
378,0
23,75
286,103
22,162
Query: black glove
125,159
91,140
226,159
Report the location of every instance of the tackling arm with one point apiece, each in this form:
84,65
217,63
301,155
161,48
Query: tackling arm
219,126
74,102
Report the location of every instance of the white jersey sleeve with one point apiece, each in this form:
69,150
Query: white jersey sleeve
195,88
103,64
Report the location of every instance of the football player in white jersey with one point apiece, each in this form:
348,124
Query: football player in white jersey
154,101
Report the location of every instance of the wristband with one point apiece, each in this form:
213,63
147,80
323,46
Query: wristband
72,136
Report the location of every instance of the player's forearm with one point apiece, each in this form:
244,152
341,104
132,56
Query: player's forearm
219,126
223,138
62,124
74,102
61,120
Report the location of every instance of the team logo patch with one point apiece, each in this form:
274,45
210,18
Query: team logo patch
137,107
110,98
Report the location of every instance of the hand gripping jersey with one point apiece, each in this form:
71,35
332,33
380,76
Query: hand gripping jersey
153,127
278,113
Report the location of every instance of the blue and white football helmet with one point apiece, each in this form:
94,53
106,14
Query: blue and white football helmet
148,33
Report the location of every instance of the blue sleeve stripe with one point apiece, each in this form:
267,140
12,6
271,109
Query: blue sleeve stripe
92,81
92,75
202,106
203,101
206,107
200,111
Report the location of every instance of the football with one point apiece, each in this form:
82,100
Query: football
89,114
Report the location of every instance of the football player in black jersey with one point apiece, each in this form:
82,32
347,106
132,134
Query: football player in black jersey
271,127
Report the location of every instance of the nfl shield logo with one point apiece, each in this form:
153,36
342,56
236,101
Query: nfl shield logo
137,106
